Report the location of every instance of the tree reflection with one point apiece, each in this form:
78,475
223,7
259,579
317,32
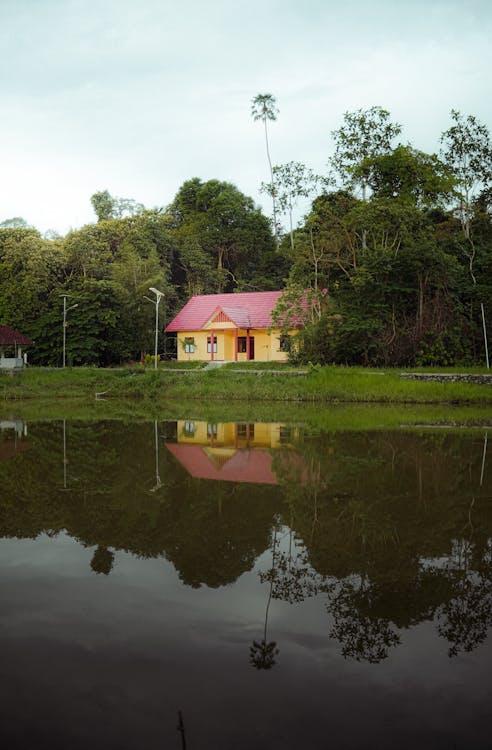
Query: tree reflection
292,579
394,528
465,619
102,561
262,653
363,636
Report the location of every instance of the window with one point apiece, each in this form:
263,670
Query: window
241,344
209,344
189,429
285,434
284,343
211,430
245,431
189,345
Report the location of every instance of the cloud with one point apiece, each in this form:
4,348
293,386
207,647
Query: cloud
136,98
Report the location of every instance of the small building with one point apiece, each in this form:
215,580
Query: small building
232,452
13,438
11,345
229,327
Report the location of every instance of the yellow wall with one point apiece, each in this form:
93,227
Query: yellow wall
222,434
267,346
200,352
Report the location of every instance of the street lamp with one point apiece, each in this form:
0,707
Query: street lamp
65,310
158,296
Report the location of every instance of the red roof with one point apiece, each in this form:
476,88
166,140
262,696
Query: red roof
8,337
252,466
10,449
245,309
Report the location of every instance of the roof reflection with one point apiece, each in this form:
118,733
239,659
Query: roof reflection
229,452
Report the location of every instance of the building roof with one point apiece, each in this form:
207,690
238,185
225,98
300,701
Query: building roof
245,309
9,337
10,449
251,466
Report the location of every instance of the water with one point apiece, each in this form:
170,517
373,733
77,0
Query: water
184,584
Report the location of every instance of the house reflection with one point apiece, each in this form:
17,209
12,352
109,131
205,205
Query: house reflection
13,438
230,451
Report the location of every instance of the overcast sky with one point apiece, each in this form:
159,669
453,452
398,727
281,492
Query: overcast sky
137,96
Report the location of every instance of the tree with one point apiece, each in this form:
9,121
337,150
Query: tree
327,241
409,175
104,205
364,134
290,182
108,207
214,221
91,249
132,274
264,108
31,270
468,152
94,327
16,222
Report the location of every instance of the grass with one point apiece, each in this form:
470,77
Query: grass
325,385
332,417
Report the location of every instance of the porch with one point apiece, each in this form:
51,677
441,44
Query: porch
12,343
232,345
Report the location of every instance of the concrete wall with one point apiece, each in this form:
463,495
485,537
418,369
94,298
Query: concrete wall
11,363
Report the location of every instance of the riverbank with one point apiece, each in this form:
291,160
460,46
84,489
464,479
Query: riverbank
329,418
321,385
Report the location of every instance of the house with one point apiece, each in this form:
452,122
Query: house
13,440
229,327
11,345
230,452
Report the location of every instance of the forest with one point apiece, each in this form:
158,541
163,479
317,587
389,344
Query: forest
390,266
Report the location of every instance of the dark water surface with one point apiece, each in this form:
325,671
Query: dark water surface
274,587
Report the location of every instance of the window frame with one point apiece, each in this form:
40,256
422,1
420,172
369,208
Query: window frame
189,345
284,342
209,344
242,341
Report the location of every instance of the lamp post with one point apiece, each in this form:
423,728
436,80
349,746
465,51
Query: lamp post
158,483
158,296
65,310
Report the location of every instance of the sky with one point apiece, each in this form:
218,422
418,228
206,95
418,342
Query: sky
135,97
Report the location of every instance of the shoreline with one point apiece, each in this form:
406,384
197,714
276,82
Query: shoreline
318,385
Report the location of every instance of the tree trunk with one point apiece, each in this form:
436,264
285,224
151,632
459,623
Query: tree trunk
273,185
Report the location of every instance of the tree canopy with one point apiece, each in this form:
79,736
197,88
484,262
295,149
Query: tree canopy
394,254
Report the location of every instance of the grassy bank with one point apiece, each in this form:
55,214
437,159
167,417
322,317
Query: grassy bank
323,385
332,417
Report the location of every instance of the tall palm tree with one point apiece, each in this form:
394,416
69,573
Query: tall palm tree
264,108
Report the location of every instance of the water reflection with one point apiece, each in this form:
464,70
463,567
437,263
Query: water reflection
13,438
262,654
102,561
169,566
230,452
389,530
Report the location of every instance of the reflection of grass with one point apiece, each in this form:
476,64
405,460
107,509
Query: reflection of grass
332,417
324,385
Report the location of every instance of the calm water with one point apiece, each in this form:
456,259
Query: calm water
238,586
